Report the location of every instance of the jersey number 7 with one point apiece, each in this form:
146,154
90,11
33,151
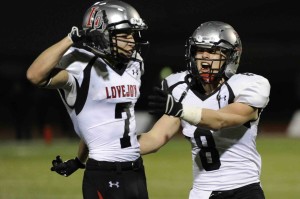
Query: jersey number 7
124,107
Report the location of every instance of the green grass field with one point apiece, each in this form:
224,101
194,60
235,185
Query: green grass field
25,170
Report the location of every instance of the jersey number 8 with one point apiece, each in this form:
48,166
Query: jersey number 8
208,154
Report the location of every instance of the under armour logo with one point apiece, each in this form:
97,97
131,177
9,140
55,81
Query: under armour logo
215,193
111,184
219,97
135,72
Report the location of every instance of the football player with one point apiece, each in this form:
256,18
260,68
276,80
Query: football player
97,72
217,110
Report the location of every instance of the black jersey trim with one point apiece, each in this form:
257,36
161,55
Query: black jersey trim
82,91
231,94
119,68
61,91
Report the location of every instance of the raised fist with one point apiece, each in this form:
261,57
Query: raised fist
96,37
76,35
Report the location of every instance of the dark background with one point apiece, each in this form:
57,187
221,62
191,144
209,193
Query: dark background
269,29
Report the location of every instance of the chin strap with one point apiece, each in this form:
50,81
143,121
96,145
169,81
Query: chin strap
96,52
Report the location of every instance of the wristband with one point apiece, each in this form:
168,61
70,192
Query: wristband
192,114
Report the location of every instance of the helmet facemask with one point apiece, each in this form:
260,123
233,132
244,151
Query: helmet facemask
211,70
120,39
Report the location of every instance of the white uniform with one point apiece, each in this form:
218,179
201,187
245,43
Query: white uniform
224,159
101,104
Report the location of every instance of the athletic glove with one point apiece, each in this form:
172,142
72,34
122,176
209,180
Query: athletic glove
66,168
96,37
162,102
89,36
76,35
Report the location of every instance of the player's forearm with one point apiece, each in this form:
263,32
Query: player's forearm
216,119
83,151
212,119
149,144
42,66
162,131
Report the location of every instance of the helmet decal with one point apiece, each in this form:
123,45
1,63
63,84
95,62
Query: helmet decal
208,39
136,21
96,19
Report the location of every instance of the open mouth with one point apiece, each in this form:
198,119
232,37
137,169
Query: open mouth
205,72
205,67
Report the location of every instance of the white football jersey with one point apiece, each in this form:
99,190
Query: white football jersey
101,104
228,158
